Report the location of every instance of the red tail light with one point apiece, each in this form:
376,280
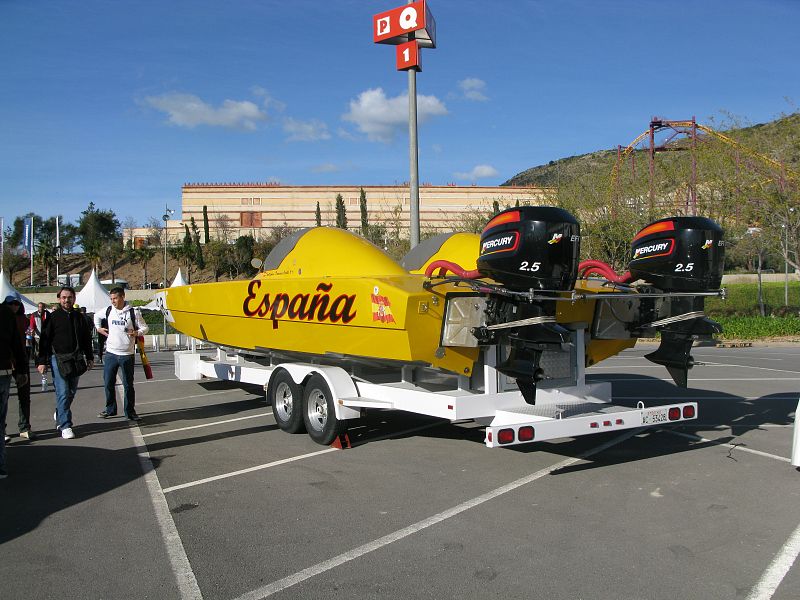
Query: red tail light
688,412
674,413
505,436
525,434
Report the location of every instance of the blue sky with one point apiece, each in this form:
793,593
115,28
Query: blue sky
121,102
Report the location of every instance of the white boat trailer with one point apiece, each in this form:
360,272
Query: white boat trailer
566,406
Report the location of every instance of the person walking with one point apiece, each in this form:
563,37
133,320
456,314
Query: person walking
123,325
65,341
23,391
12,353
37,322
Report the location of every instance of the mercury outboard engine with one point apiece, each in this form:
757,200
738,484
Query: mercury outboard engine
678,254
527,249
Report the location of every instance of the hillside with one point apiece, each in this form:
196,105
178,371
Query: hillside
132,273
779,139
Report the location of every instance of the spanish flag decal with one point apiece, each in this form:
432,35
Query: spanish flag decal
382,309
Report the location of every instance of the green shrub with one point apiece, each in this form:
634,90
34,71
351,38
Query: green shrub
751,328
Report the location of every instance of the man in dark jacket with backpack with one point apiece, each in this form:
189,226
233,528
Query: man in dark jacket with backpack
123,324
65,346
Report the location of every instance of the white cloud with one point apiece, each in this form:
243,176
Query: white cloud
473,89
305,131
381,118
478,172
325,168
267,100
187,110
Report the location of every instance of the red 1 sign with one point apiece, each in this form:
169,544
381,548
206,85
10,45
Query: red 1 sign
408,56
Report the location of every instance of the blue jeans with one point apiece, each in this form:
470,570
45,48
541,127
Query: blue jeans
65,394
5,388
124,364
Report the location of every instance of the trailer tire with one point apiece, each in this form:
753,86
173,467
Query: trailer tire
319,412
286,398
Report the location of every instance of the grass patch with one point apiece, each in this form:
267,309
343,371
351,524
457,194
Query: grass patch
753,328
742,300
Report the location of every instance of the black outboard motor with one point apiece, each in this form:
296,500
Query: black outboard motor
529,248
679,254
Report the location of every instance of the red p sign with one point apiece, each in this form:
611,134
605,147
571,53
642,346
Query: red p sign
396,26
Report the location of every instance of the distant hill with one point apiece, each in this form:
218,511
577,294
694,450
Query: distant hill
779,139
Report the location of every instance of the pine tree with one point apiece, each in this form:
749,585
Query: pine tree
341,215
362,201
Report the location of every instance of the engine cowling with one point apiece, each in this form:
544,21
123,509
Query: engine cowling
681,254
531,247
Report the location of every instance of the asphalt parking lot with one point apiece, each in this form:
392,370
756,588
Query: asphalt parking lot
208,498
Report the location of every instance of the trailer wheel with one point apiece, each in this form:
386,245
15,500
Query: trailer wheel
319,413
286,398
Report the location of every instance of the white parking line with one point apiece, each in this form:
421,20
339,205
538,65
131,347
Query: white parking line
780,565
738,447
146,435
181,567
250,470
693,379
786,396
189,397
711,364
294,458
322,567
734,356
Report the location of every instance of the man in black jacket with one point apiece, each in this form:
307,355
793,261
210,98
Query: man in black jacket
12,353
65,332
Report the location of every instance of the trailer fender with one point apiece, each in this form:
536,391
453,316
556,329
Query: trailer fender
340,383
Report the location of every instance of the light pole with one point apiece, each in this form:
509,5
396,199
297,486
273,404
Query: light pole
168,212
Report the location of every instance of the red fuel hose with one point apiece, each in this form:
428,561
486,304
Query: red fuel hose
446,265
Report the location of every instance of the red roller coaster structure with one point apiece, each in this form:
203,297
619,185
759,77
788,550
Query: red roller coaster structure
695,133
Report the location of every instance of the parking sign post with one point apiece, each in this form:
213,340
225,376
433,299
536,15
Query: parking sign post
410,28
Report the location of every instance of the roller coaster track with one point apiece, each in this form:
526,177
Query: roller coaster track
685,127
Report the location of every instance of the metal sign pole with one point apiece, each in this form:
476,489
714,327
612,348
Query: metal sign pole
413,156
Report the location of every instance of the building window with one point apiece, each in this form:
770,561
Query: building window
250,219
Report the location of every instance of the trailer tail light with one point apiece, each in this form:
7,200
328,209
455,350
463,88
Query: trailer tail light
489,436
525,434
674,413
688,412
505,436
594,425
620,422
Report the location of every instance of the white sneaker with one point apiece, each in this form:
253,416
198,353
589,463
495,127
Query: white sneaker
67,433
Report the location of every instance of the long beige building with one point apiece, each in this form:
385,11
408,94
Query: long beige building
236,209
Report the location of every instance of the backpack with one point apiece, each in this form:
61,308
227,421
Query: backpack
133,318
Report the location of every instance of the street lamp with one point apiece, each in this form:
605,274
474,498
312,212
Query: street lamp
168,212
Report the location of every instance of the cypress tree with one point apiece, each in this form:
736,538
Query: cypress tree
318,215
341,214
362,201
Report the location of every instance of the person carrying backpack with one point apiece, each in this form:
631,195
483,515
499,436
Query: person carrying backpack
124,324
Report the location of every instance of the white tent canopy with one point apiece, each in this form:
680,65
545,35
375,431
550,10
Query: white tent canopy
93,296
6,289
179,280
